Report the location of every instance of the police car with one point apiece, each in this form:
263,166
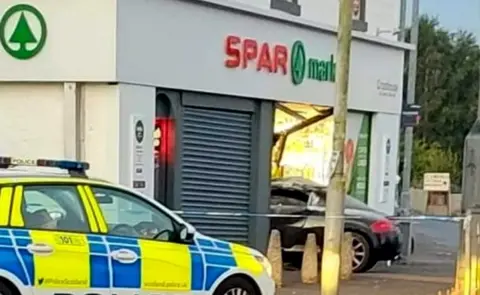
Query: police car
63,233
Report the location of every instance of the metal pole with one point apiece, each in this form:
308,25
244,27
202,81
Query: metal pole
401,38
403,20
408,139
330,276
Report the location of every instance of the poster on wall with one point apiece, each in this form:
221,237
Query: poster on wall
137,153
357,158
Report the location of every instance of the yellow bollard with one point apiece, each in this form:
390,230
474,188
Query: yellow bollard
274,255
309,271
346,268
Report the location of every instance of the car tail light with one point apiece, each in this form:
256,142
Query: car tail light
382,226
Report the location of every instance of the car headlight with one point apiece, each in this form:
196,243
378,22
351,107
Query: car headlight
265,263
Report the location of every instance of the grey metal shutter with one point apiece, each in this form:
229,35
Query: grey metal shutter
216,165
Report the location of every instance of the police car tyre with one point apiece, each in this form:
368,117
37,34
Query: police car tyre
7,288
237,286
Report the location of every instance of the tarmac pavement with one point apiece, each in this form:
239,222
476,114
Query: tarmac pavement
430,269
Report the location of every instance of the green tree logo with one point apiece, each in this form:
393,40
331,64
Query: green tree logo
298,63
16,43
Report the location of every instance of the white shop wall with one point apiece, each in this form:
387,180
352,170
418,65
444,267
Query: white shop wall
80,44
382,14
31,116
102,130
138,102
383,166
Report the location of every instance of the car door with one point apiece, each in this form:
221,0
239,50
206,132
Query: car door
56,236
144,252
10,263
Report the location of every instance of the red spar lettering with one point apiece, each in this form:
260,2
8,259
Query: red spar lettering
248,52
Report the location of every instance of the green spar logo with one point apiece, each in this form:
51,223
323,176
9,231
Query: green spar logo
298,61
22,43
301,66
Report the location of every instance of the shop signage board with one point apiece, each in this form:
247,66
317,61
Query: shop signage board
279,59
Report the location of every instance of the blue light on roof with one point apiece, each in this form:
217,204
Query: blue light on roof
61,164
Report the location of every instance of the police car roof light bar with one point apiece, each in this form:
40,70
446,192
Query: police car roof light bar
74,168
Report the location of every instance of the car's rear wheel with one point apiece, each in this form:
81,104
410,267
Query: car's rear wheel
362,258
236,286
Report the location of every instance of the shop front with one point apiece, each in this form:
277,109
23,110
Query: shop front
186,108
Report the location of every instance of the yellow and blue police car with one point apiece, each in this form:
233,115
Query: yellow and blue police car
66,234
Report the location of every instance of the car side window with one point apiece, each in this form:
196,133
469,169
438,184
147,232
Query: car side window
129,216
53,208
279,200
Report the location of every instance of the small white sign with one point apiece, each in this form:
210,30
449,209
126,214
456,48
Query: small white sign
439,182
137,153
386,157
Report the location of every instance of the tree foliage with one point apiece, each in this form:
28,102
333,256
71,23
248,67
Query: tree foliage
447,89
431,157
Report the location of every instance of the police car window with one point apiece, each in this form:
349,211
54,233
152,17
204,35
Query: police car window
127,215
53,208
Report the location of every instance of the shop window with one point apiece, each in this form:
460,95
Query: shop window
289,6
358,16
303,137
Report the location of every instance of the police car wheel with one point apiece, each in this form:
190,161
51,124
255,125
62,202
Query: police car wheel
236,286
6,290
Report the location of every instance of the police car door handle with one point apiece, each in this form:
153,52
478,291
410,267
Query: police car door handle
124,256
40,249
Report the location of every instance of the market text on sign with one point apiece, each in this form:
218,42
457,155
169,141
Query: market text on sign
248,52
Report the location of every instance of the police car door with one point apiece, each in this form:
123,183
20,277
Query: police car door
52,236
143,257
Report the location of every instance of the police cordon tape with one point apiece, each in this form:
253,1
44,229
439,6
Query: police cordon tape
273,215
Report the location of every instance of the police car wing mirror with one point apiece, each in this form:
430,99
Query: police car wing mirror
187,233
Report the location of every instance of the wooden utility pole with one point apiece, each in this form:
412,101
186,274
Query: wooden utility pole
336,190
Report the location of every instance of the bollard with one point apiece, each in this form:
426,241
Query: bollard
347,253
309,271
274,255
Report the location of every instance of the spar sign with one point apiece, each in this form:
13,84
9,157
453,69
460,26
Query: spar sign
280,59
23,31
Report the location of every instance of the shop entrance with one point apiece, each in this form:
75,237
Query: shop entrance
302,146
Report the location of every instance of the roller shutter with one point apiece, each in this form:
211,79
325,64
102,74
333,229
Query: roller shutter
216,166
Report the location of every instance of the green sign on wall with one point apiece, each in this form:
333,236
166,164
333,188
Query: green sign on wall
23,42
359,184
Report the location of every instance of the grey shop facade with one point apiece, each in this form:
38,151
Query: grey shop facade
235,68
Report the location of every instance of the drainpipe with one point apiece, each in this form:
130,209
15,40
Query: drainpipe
73,121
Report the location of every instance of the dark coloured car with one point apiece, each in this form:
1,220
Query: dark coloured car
375,236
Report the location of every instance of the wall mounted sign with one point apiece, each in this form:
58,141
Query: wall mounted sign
137,153
23,31
275,59
386,88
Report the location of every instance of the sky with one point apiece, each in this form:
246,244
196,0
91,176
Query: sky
455,14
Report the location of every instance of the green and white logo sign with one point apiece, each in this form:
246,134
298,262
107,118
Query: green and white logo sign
23,31
298,61
303,66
